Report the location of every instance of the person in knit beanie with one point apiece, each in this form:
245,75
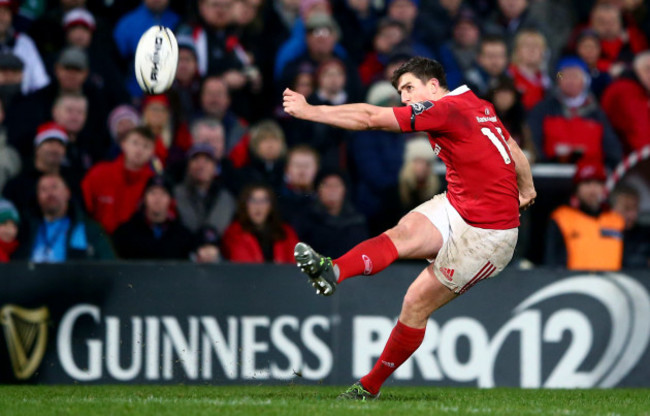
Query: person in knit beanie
9,221
417,181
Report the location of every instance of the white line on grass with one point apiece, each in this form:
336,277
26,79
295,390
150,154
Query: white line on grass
249,401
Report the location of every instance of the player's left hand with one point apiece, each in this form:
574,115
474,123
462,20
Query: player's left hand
525,201
294,104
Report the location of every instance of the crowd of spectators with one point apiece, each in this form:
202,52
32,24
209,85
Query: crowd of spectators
92,168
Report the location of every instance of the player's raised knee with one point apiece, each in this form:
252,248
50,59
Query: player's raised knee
403,231
405,237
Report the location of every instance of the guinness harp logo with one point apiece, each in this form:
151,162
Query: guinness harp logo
26,335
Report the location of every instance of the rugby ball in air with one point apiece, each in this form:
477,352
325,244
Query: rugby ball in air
156,59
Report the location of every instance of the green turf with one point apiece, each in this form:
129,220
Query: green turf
313,400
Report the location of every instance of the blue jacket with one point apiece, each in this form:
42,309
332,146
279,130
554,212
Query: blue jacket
378,157
452,68
85,239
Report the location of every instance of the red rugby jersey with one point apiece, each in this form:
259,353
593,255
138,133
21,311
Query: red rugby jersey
465,133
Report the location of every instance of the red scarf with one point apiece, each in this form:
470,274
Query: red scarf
6,249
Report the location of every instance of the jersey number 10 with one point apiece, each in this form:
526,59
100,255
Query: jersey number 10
498,143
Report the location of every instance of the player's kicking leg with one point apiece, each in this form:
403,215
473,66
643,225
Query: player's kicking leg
414,237
424,296
453,273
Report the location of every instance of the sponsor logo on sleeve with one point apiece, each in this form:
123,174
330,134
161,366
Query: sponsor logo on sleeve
421,107
417,109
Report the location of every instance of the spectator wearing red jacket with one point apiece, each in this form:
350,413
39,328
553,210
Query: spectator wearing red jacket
112,190
627,104
618,43
569,125
258,234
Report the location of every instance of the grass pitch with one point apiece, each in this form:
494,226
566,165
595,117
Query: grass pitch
313,401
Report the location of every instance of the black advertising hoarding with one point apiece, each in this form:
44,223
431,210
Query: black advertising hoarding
182,323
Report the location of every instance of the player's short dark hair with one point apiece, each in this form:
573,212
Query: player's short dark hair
143,131
423,69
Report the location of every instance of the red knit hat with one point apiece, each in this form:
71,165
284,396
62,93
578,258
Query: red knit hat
13,6
50,131
589,171
160,99
79,16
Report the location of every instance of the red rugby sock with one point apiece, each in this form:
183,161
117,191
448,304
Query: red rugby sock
368,257
403,342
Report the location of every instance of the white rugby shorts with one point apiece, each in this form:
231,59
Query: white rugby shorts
468,254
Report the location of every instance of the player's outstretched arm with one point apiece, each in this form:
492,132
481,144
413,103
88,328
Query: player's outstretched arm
346,116
527,193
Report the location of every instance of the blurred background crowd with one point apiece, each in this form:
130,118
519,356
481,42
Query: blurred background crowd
214,170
